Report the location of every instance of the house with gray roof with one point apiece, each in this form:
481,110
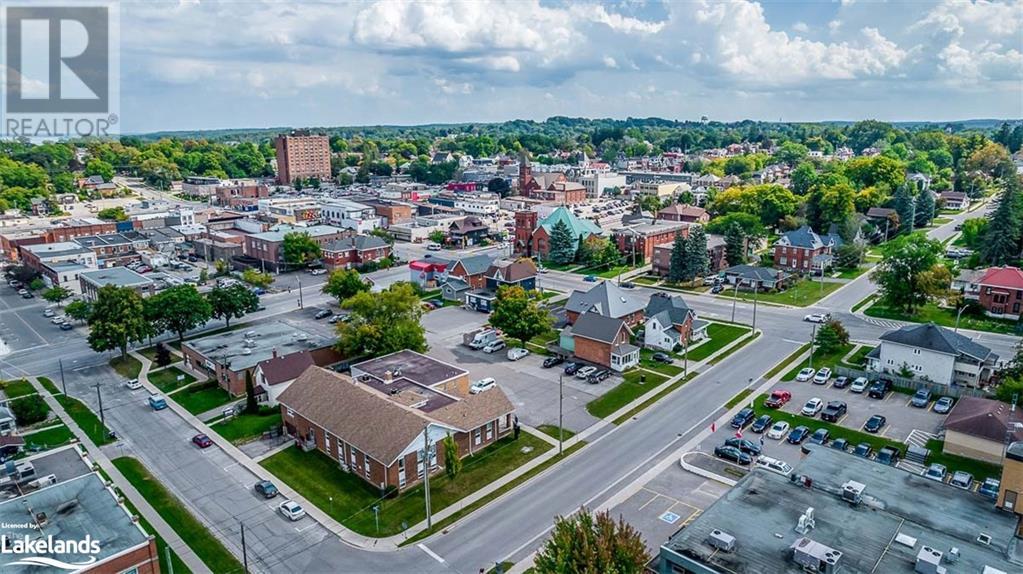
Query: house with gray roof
764,278
934,354
463,275
607,299
670,322
600,340
804,251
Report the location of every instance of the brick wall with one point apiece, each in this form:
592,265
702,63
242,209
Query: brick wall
144,558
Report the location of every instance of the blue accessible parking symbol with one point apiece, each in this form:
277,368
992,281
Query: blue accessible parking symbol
669,517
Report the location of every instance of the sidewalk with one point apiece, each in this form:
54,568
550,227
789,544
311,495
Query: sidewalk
148,512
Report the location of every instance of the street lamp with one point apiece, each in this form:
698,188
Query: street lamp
813,336
959,314
561,422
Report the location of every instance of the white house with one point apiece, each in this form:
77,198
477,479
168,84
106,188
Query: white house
934,354
276,374
669,320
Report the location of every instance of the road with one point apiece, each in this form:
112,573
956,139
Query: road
509,528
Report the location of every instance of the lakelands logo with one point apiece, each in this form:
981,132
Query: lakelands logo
29,550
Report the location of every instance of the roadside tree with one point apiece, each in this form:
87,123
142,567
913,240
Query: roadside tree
586,542
518,313
232,302
116,320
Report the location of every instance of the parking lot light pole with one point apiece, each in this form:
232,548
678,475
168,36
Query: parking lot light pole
756,290
813,336
561,422
62,383
685,358
735,297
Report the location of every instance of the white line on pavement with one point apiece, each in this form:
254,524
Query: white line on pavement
431,553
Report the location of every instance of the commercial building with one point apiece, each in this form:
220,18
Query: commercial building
599,184
352,215
199,186
241,194
354,251
267,246
716,260
69,229
60,264
637,241
302,156
92,281
684,212
600,340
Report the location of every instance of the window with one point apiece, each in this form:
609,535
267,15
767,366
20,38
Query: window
476,436
366,465
490,430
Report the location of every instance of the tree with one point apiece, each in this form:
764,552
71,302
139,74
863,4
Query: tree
116,320
180,309
344,283
974,233
790,153
900,275
204,276
112,214
299,248
924,208
29,410
251,405
677,266
437,236
222,267
56,294
831,336
905,206
452,462
382,322
518,313
36,284
695,263
101,168
163,355
256,278
232,302
1003,234
588,542
78,310
749,224
803,178
735,245
849,255
604,253
562,244
500,186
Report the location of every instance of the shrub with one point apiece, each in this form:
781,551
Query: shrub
29,410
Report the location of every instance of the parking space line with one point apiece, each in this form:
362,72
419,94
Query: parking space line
645,504
671,498
301,530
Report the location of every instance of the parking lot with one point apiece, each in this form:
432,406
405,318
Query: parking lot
531,388
22,324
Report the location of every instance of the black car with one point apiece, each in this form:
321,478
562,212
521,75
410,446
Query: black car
322,314
820,436
874,424
761,424
841,382
879,389
887,455
28,295
266,489
834,411
743,418
662,358
628,285
571,368
798,435
746,446
863,450
598,376
552,361
733,454
717,289
840,444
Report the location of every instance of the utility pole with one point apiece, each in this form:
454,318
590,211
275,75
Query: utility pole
170,563
561,423
245,555
426,474
62,383
685,358
813,335
99,396
756,291
300,303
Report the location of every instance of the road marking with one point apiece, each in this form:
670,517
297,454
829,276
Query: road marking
301,530
655,497
431,553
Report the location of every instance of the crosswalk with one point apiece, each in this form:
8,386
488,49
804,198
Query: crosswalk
917,438
885,323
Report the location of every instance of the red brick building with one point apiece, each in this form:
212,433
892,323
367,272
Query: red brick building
605,299
561,192
532,237
603,341
242,194
1001,291
802,250
72,228
640,239
661,261
684,212
302,156
354,251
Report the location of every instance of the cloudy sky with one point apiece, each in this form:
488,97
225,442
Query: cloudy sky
193,65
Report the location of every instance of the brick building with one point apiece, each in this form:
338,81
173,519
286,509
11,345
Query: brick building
803,251
532,235
241,194
69,229
640,239
1000,292
561,192
605,299
601,340
354,251
267,247
684,212
302,156
661,261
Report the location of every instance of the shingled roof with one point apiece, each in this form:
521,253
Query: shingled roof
285,368
605,298
983,418
937,339
673,307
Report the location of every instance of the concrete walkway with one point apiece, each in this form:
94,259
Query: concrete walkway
163,529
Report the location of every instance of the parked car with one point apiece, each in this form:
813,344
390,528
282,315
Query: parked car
28,295
291,510
598,376
887,455
841,382
863,450
805,374
57,320
585,372
202,441
875,423
266,489
774,465
733,454
777,399
935,472
66,326
662,358
572,368
322,314
834,411
628,285
859,385
746,446
517,353
133,385
761,424
840,444
879,390
943,405
962,479
157,403
921,398
320,271
822,376
812,407
48,312
481,385
989,488
820,436
590,278
334,319
494,346
798,435
552,361
743,418
433,247
778,430
817,317
717,289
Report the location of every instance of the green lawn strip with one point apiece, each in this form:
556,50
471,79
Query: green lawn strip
205,545
646,361
161,544
543,338
979,469
198,399
149,353
720,336
864,302
792,357
738,398
86,419
939,221
820,359
245,427
128,367
647,403
931,313
552,430
631,388
802,293
608,273
548,293
505,566
854,437
18,388
852,273
49,438
166,379
734,349
455,516
48,385
858,359
647,280
318,477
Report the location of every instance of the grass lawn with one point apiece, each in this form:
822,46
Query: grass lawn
852,273
630,389
792,357
49,386
161,544
837,431
192,532
734,349
721,334
931,313
149,353
319,477
802,293
646,361
980,470
246,427
863,302
646,280
548,294
50,438
166,379
552,430
939,221
660,395
543,338
738,398
608,273
201,398
19,388
558,266
129,367
86,419
858,359
820,360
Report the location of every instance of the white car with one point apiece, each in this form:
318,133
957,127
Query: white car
318,272
778,430
57,320
48,313
517,353
859,385
494,346
817,318
774,465
805,374
291,510
935,472
133,384
585,372
482,385
812,407
433,247
822,376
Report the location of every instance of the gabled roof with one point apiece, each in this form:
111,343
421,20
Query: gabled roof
456,284
1008,277
671,306
804,238
983,418
285,368
605,298
684,210
597,327
752,273
576,225
881,212
359,243
467,224
937,339
475,264
512,272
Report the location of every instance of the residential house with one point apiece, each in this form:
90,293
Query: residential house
968,283
1000,292
468,231
354,251
463,275
885,219
429,271
670,322
442,157
934,354
637,240
684,212
532,237
716,251
600,340
605,299
520,273
980,428
804,251
955,200
746,277
274,375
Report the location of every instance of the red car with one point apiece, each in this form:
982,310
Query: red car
777,399
202,441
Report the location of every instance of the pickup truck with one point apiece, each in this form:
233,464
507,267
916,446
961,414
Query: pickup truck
834,411
777,399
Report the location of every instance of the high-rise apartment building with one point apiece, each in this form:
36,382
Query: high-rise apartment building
302,156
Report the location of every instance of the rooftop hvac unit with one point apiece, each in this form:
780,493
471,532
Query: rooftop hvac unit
928,561
815,557
721,540
852,491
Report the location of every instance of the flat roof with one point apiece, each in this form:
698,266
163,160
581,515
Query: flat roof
58,248
119,276
763,509
259,340
416,367
95,240
278,232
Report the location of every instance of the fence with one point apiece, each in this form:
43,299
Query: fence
916,384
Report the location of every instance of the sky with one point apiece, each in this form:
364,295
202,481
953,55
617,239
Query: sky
208,65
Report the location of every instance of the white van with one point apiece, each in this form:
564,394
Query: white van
483,338
774,465
482,385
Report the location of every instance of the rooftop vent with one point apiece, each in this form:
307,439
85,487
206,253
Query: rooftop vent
984,539
814,556
721,540
852,491
928,561
806,521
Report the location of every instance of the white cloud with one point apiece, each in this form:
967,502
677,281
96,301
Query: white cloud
801,27
610,62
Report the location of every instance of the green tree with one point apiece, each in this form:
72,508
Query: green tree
831,336
180,309
924,208
116,320
257,278
905,206
604,253
677,266
299,248
163,355
36,284
1003,234
695,260
204,276
112,214
974,232
222,267
803,178
735,245
29,410
518,313
232,302
790,153
849,255
344,283
101,168
452,460
586,542
382,323
78,310
437,236
562,244
500,186
902,272
56,294
251,405
749,224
